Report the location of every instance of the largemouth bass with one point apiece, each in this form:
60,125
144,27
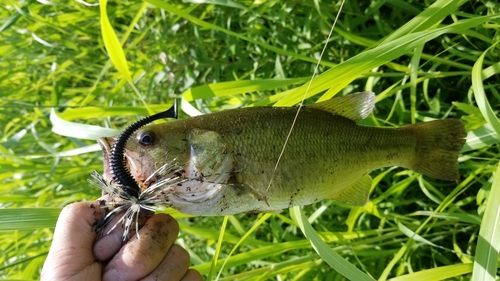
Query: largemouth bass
224,163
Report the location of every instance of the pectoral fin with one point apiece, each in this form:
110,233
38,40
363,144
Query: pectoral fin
356,194
253,192
355,106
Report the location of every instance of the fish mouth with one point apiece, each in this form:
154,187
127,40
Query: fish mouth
138,162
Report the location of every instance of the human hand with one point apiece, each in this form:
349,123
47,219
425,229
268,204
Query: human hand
75,255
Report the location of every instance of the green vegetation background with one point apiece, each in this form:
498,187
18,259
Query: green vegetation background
425,60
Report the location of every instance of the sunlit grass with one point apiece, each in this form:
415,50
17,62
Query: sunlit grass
424,62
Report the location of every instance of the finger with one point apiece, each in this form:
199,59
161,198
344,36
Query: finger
139,257
111,241
192,275
173,266
73,240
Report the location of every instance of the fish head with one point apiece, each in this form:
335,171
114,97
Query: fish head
146,151
180,167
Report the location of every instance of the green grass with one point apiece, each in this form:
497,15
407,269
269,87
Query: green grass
424,62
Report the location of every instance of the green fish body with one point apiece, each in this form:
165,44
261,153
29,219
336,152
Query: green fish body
226,162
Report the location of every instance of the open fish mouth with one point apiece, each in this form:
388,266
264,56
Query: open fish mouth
119,200
140,164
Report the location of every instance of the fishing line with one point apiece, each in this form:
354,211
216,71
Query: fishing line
301,104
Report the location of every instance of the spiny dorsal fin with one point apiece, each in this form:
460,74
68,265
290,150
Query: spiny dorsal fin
356,194
355,106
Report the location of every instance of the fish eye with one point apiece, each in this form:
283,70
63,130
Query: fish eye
147,138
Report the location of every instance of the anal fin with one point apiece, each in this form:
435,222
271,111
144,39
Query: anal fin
356,194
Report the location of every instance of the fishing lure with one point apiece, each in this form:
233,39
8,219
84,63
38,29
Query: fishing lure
123,185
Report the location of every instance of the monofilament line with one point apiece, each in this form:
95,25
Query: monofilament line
305,94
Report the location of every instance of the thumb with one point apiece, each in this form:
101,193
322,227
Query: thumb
71,248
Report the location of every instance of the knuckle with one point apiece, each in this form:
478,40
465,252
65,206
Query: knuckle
192,275
181,256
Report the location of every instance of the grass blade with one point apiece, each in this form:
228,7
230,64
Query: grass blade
113,45
28,218
76,130
213,265
237,87
250,231
331,257
180,13
427,18
480,137
477,85
343,74
488,245
438,273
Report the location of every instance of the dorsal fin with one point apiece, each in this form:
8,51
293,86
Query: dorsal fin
355,106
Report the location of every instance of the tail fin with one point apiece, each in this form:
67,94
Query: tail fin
438,145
